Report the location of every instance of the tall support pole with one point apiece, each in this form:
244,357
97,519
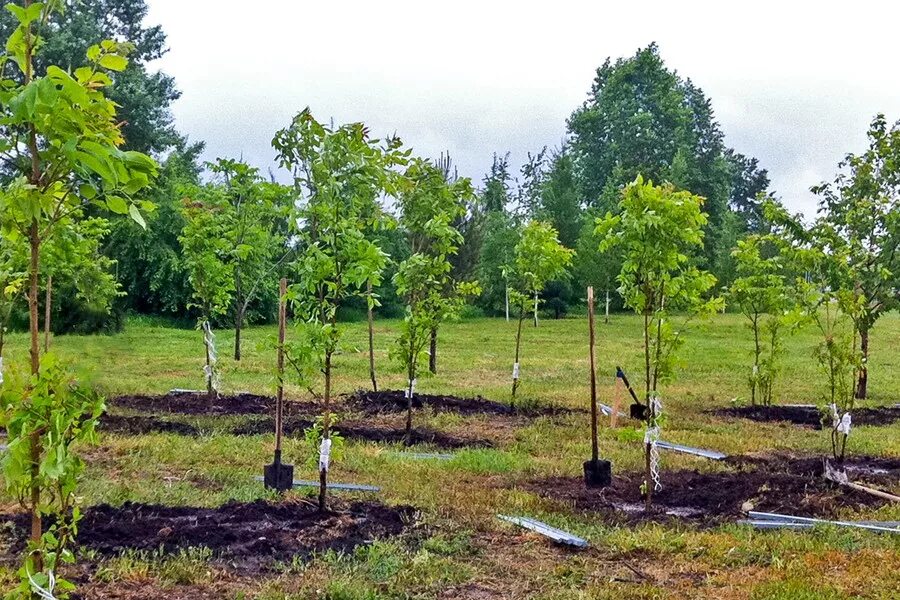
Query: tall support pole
595,453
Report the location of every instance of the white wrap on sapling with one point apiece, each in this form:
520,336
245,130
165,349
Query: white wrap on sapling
844,425
515,371
324,454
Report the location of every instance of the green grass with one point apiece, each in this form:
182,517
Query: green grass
466,552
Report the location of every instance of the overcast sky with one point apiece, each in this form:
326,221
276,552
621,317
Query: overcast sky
792,84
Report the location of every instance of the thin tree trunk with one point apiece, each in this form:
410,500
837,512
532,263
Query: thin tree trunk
36,446
606,316
518,345
535,308
326,434
648,474
507,303
210,389
48,299
595,451
757,352
411,376
238,327
432,352
371,338
862,383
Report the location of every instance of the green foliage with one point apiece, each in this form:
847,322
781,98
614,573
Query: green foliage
763,292
143,97
51,408
643,119
428,208
61,137
206,252
340,173
861,212
655,235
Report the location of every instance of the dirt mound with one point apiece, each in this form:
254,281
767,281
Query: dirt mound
809,416
137,425
776,484
244,536
357,431
199,404
391,401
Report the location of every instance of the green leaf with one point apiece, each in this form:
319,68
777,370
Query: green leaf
117,205
113,62
136,216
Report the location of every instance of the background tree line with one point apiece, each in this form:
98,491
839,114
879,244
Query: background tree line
639,118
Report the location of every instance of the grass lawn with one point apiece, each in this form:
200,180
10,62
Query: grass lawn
459,549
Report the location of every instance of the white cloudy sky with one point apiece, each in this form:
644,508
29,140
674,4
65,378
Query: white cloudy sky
793,83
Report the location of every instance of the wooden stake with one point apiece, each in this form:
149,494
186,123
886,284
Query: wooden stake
617,404
595,453
279,397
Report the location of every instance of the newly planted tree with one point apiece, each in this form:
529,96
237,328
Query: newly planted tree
539,258
340,173
253,214
764,293
862,209
61,138
428,208
655,234
206,252
825,287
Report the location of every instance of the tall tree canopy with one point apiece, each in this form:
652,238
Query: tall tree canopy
641,118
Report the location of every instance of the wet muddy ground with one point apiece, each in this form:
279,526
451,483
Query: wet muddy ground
243,537
809,416
779,483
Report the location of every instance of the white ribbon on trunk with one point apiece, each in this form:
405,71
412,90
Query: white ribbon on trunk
515,371
651,437
324,454
212,374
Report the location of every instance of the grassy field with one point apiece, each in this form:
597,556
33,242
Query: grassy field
462,551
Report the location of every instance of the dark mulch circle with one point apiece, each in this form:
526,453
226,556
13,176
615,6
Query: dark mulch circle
767,484
199,404
357,431
392,401
809,416
246,537
138,425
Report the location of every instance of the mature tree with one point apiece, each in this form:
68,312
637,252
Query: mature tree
539,258
643,119
862,209
143,96
340,173
656,232
560,201
749,184
496,193
428,209
60,135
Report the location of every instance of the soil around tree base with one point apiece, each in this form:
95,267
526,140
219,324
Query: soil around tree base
809,416
392,401
244,537
199,404
776,483
294,426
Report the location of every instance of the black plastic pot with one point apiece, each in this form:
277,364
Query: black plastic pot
597,473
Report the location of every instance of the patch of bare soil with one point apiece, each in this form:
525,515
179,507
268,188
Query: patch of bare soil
356,430
199,404
776,483
391,401
137,425
243,537
809,416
